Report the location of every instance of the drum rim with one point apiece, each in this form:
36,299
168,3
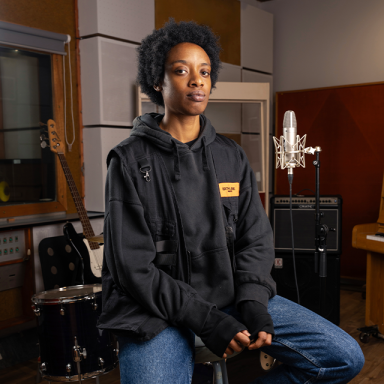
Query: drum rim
66,299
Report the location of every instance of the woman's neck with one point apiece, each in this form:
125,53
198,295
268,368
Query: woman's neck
183,128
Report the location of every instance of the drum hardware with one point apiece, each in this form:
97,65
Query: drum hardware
68,367
78,354
101,362
94,304
43,367
62,310
36,311
116,350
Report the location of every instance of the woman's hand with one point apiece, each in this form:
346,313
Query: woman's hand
263,338
238,343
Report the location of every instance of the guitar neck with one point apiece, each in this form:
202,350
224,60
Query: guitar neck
87,228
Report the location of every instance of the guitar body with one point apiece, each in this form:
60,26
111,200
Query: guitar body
76,240
96,258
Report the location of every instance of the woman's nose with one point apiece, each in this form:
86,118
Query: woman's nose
196,79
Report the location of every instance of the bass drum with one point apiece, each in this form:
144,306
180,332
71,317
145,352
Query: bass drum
72,348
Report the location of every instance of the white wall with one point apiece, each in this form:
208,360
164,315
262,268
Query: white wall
321,43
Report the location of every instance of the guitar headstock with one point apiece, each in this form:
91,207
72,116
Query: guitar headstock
55,143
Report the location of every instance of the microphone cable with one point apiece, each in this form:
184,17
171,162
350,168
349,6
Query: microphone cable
290,178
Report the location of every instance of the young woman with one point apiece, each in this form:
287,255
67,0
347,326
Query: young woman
188,246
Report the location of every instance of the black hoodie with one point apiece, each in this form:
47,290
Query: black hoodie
169,208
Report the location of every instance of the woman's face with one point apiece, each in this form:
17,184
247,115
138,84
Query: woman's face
187,80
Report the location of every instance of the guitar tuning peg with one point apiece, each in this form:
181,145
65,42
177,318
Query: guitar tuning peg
42,124
42,137
44,145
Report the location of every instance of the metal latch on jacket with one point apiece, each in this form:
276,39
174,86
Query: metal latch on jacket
145,168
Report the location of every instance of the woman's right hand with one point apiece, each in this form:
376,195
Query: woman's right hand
238,343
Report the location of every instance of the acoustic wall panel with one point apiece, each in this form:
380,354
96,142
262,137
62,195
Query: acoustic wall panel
108,80
256,39
230,72
129,20
97,144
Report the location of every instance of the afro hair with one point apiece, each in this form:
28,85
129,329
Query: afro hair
154,49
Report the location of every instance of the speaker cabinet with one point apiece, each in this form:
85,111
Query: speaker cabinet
309,283
303,213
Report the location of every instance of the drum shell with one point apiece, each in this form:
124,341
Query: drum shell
57,334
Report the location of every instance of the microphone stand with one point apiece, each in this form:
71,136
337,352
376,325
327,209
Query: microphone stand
321,232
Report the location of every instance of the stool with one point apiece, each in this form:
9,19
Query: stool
220,376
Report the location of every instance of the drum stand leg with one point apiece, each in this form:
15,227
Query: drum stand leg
97,380
38,374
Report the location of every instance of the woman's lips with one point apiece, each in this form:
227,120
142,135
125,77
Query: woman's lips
196,96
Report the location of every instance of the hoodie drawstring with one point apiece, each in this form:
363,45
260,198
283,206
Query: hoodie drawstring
176,160
205,161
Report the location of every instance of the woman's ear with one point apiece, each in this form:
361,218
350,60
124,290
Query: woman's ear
157,88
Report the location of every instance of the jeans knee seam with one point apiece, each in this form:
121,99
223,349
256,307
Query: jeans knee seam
314,379
306,356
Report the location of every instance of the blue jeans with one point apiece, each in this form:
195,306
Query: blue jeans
312,349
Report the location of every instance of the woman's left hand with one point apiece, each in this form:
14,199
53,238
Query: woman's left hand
263,339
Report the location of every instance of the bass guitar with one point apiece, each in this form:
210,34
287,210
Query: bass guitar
95,250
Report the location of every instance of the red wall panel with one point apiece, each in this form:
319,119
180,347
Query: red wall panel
348,124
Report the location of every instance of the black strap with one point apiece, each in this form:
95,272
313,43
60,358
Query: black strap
165,259
166,246
165,252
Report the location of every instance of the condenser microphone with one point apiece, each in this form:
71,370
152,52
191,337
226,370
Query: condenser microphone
290,149
290,140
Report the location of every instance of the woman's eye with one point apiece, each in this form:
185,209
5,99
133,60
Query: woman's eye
205,73
181,71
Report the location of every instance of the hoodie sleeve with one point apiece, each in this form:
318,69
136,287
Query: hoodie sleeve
254,250
129,252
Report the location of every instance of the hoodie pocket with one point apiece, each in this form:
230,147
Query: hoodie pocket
212,275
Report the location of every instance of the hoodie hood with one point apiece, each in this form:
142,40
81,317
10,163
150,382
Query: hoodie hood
147,126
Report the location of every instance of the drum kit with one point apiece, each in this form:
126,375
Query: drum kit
72,348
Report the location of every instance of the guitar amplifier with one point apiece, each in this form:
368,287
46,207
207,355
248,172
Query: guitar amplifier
303,213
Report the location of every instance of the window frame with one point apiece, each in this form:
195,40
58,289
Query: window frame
61,203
